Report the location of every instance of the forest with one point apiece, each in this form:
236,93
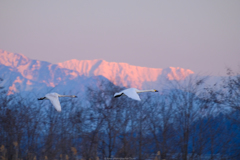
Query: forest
190,120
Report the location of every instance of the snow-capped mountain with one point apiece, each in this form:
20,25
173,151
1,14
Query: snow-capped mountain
20,74
124,74
23,74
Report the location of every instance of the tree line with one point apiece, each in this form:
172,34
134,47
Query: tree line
189,120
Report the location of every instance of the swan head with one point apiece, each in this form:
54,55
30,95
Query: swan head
155,90
74,96
42,98
117,95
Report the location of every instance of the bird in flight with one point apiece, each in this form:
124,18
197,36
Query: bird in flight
133,93
53,97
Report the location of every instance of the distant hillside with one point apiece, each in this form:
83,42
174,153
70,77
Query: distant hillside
124,74
23,74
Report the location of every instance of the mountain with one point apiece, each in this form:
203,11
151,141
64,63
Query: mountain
123,74
23,74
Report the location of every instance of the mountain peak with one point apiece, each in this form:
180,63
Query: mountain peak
123,73
176,73
12,59
84,67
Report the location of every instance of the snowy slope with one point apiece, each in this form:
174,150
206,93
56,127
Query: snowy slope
23,74
125,74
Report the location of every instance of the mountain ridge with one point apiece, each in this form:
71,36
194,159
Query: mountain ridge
124,74
35,73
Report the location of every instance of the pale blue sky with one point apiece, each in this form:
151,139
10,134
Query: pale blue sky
203,36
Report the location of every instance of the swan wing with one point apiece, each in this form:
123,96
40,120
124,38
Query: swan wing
131,93
54,100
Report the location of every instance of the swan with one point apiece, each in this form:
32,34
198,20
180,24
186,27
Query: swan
53,97
133,93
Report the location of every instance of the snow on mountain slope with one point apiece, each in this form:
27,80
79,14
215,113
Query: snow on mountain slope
35,70
123,73
23,74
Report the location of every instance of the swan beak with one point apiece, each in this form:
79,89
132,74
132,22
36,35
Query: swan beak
156,90
75,97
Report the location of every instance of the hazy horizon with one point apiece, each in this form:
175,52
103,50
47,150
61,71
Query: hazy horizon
202,36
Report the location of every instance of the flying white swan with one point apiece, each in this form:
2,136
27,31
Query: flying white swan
132,93
53,97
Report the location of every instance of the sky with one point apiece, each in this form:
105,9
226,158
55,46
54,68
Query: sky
203,36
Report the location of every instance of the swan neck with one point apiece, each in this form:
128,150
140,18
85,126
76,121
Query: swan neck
65,96
139,91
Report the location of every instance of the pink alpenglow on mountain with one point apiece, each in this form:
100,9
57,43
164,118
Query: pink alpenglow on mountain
28,74
123,73
34,70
